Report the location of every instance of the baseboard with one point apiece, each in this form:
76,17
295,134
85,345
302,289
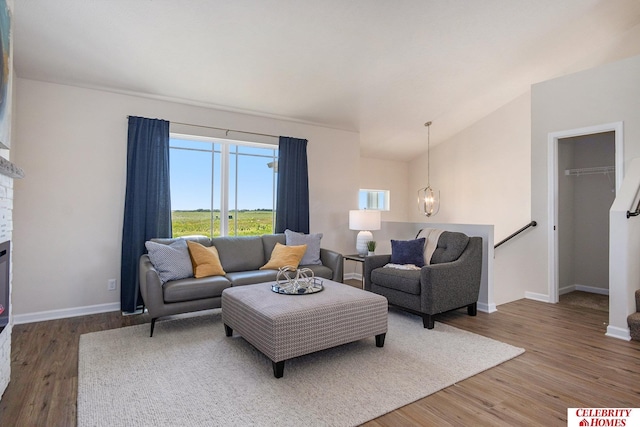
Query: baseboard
537,297
619,333
353,276
583,288
592,289
487,308
64,313
566,289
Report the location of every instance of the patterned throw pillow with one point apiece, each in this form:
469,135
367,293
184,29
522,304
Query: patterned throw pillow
408,252
284,255
205,260
171,261
312,255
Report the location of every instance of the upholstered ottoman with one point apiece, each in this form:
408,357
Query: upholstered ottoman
287,326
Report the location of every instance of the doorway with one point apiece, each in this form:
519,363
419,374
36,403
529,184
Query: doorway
585,175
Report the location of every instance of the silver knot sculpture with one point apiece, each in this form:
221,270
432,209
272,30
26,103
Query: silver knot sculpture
293,280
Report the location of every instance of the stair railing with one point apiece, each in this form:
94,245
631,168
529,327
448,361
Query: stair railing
637,211
531,224
634,213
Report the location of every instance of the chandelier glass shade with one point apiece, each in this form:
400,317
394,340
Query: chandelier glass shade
428,198
428,201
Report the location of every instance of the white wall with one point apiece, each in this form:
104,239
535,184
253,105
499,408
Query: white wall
68,210
606,94
387,175
483,174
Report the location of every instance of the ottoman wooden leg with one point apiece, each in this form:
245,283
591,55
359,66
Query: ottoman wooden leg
380,340
278,369
228,330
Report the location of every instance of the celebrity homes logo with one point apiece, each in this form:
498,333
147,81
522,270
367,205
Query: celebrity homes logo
603,417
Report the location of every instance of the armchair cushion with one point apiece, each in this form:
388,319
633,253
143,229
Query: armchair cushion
408,252
450,246
402,280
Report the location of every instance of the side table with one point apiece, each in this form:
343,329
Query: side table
357,258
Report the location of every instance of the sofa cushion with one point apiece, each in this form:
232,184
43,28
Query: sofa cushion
194,289
203,240
205,260
407,281
240,253
319,271
240,278
172,261
408,252
450,246
312,255
283,256
269,242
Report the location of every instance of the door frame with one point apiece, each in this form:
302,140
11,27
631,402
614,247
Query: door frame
552,192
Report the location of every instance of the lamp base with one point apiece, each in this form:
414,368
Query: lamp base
361,242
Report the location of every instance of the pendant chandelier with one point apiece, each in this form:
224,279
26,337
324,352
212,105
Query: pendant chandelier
428,198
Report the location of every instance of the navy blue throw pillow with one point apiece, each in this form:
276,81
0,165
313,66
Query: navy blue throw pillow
408,252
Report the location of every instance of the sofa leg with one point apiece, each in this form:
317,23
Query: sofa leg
472,309
427,321
153,324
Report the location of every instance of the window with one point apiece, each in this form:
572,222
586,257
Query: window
373,199
222,188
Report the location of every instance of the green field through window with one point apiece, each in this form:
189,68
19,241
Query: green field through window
198,222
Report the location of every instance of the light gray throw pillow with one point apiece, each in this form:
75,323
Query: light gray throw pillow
172,261
312,255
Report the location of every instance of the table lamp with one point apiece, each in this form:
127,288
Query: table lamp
364,221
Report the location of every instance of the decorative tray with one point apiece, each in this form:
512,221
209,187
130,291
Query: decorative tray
291,281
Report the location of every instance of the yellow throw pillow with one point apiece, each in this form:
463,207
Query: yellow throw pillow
205,260
285,255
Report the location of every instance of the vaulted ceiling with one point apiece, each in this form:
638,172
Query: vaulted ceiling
378,67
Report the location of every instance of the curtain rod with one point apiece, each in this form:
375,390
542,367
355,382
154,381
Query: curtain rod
224,129
227,130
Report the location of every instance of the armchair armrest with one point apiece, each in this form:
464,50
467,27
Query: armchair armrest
453,284
335,261
370,264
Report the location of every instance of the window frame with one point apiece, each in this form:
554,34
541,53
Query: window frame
226,170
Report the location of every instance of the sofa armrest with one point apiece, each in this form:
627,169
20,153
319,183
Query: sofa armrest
453,284
150,287
335,261
370,264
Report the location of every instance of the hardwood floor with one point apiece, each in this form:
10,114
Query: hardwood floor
568,363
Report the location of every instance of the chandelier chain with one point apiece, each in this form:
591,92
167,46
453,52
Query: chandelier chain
428,125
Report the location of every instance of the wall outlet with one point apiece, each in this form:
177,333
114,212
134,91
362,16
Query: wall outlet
111,284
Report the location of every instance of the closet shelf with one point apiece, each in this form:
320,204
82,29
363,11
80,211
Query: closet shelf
590,171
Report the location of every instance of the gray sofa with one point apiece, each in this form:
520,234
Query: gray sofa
241,258
452,280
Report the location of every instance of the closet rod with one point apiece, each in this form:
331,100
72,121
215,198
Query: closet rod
224,129
590,171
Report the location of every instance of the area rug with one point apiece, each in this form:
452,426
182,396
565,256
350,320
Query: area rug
191,374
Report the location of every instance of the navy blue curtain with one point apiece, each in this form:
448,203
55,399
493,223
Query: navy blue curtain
147,205
292,206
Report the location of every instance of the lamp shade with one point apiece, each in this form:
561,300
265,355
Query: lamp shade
364,220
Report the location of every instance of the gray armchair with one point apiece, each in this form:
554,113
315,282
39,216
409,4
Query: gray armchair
452,280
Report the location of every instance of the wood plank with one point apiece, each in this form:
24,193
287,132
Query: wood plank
568,362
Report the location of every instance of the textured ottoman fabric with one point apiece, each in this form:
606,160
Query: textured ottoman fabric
287,326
